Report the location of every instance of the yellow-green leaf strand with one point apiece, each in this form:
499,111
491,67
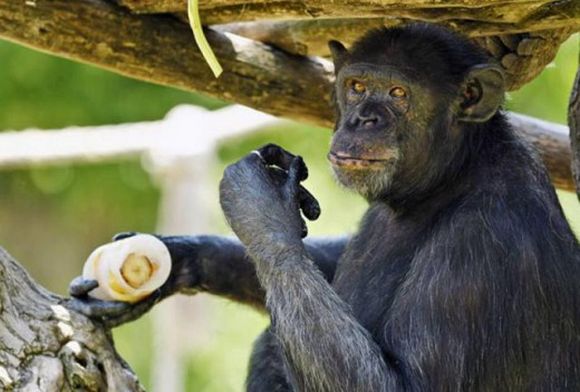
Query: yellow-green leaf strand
200,40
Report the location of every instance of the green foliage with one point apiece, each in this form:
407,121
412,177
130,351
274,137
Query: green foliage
37,90
53,217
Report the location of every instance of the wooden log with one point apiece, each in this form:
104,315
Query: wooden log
160,6
485,17
46,347
574,123
310,37
160,49
307,37
522,55
551,140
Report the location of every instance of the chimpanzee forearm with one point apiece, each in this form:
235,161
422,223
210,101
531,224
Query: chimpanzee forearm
326,348
220,265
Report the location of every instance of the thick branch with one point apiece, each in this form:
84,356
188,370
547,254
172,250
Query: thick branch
176,5
523,55
46,347
479,17
161,50
574,122
551,140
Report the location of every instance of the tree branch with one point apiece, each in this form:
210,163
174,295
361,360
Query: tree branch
551,140
175,5
476,17
522,55
46,347
161,49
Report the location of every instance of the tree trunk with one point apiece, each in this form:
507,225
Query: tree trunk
46,347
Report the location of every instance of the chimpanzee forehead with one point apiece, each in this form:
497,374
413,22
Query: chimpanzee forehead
415,65
384,72
429,52
396,72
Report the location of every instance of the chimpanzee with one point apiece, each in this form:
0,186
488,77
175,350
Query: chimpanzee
464,275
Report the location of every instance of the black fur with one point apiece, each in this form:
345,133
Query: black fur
464,275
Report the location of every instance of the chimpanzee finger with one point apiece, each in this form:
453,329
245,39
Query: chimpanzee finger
113,313
278,175
275,155
295,172
133,312
80,287
123,235
308,204
295,190
304,232
97,308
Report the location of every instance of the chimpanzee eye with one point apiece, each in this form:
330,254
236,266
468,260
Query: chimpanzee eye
358,87
397,92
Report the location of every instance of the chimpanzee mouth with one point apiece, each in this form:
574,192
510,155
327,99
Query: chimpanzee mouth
349,162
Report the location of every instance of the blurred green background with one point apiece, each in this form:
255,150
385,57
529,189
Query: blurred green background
51,218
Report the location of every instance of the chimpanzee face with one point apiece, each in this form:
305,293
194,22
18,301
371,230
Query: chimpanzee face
382,116
398,114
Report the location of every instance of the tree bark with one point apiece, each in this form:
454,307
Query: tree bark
574,123
552,143
487,16
161,49
486,19
46,347
523,55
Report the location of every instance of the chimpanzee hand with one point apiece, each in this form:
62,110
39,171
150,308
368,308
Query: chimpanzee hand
109,313
261,197
114,313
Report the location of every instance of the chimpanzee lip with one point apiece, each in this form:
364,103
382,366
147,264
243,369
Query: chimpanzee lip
338,159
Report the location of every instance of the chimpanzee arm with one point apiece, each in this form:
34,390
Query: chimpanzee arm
220,265
206,263
325,347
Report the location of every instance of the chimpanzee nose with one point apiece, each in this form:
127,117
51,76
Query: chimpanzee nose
367,117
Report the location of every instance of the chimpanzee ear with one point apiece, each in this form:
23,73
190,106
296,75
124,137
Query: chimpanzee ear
339,54
482,93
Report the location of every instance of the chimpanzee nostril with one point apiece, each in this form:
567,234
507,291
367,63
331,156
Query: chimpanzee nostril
369,122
